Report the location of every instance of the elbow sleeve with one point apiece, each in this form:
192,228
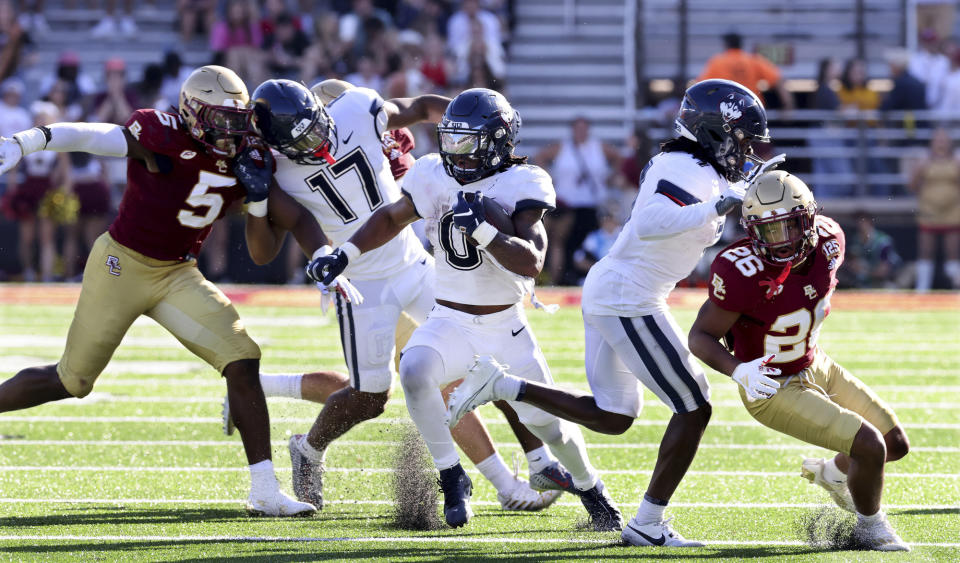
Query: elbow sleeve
104,139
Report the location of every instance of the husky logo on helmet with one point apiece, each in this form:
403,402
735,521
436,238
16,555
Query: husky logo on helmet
213,105
730,108
779,216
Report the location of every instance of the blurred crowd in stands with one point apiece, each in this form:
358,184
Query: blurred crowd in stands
400,48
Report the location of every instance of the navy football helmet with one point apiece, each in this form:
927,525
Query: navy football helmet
292,120
477,134
724,118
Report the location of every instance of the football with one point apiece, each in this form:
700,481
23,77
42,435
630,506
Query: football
495,214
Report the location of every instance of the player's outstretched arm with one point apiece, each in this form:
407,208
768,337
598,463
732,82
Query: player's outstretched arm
104,139
380,228
265,234
404,112
525,252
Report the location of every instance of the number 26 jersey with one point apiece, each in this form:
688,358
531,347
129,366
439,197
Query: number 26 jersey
778,319
343,195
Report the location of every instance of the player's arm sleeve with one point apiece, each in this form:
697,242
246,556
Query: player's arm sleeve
662,216
535,191
414,186
104,139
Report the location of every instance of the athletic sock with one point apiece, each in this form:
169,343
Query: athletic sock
263,480
566,442
651,510
871,520
282,385
539,459
508,387
924,275
832,473
309,451
497,472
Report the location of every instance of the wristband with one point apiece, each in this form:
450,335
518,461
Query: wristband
350,250
257,208
322,251
484,234
33,140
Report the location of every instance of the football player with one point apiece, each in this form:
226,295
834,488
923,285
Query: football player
631,337
769,294
333,163
180,179
481,277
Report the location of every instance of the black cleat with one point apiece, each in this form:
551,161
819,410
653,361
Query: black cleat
604,514
457,489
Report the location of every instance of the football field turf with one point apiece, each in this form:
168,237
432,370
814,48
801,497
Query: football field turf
140,470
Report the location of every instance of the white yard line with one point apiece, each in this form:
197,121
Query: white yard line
757,505
457,539
381,420
196,469
385,443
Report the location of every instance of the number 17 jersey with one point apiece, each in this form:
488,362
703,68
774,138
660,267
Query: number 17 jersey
343,195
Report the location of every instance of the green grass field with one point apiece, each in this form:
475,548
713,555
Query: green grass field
141,471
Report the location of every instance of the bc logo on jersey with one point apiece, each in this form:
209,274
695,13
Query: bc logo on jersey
113,265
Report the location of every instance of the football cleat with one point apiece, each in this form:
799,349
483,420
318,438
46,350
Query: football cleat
812,470
457,489
655,534
307,474
228,426
278,503
553,478
476,389
523,497
879,536
604,514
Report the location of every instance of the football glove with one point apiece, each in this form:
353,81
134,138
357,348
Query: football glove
731,198
753,377
767,165
342,286
325,269
10,154
254,170
469,217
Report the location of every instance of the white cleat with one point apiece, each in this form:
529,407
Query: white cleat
228,426
812,470
476,389
522,497
879,536
658,534
278,504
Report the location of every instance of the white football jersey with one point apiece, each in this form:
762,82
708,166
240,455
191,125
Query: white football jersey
464,273
343,195
662,241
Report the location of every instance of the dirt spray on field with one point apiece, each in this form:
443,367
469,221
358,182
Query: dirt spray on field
414,484
828,527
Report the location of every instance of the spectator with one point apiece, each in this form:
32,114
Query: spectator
435,65
950,100
460,25
174,73
32,18
13,117
59,95
237,39
43,171
480,63
753,71
79,84
195,16
936,181
286,46
597,244
929,65
324,57
580,166
117,101
828,138
367,75
12,40
908,92
854,94
148,90
872,260
357,26
111,26
408,80
427,17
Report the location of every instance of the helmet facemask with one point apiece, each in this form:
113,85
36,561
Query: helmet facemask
468,154
221,129
783,238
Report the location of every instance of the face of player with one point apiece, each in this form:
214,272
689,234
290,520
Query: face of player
224,129
460,149
783,238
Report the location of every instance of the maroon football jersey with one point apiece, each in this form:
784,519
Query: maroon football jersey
167,215
782,319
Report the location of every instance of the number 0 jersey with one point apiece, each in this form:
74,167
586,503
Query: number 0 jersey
166,215
343,195
464,273
783,320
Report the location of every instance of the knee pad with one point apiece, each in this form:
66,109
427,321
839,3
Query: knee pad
420,368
